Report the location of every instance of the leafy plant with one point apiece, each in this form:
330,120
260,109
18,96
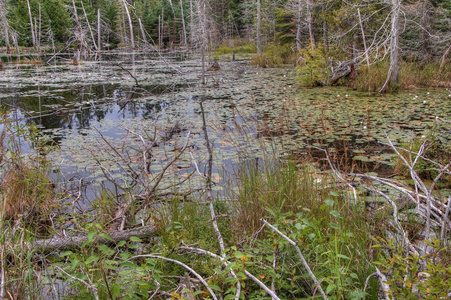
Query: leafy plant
313,69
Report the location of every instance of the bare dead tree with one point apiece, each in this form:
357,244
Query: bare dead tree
259,39
130,24
393,72
310,23
89,26
185,41
33,37
8,32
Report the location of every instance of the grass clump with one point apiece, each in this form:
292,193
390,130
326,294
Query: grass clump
411,75
26,191
235,46
275,55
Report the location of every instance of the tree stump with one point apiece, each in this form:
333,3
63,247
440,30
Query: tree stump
214,66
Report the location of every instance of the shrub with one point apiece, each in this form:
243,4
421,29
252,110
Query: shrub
313,69
26,190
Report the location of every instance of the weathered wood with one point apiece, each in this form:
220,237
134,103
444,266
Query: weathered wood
64,243
342,70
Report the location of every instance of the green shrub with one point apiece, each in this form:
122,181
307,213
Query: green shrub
313,69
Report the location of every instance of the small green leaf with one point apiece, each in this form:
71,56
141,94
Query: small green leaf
67,253
135,239
115,290
215,287
92,259
90,236
330,288
329,202
335,213
334,225
105,236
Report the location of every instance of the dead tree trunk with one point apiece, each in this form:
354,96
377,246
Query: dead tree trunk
310,23
33,37
89,27
325,32
259,40
299,26
130,24
393,72
191,22
185,43
425,28
443,60
5,25
204,37
143,33
59,243
99,43
79,34
365,48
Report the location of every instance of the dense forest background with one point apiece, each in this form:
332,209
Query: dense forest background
334,38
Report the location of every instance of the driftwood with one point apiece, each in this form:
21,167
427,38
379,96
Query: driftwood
70,242
342,70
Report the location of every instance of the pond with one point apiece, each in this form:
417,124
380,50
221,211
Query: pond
132,111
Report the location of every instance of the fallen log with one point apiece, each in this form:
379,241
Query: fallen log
69,242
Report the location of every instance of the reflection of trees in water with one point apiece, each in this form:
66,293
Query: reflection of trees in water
77,107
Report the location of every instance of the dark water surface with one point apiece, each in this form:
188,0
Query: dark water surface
91,108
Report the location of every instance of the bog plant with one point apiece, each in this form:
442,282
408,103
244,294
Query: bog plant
26,190
313,69
275,55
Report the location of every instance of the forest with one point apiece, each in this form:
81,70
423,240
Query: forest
225,149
